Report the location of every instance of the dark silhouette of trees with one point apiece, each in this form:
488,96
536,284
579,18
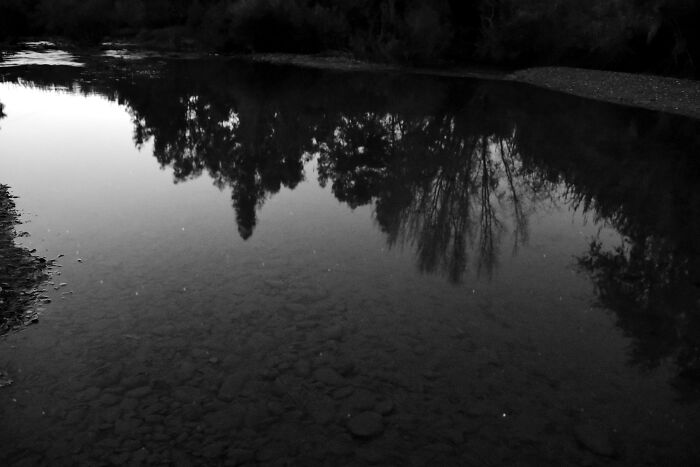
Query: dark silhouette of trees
634,35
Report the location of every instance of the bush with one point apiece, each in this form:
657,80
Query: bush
282,26
614,34
427,34
14,19
648,35
83,21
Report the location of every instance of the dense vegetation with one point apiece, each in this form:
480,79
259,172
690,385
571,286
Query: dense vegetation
643,35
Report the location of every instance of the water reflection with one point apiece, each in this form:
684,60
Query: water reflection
458,174
20,272
449,167
440,180
435,185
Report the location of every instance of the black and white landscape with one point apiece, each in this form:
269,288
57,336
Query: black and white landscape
370,232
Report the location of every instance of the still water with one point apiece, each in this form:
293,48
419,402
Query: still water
280,266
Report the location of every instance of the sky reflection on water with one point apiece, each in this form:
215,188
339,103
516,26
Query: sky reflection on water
505,267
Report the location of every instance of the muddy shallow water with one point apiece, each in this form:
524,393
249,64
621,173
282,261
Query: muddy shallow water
280,266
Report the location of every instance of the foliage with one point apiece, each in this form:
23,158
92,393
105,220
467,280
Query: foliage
15,18
84,21
641,35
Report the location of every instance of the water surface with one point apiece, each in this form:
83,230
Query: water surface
284,266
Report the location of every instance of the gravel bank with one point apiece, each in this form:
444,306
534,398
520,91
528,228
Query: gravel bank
673,95
679,96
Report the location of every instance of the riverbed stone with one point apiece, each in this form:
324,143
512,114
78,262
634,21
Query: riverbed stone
192,412
232,386
362,400
322,410
238,456
302,368
340,445
335,332
214,450
369,454
139,392
595,438
76,416
109,400
134,381
272,451
329,376
342,393
90,394
366,424
129,404
186,394
384,407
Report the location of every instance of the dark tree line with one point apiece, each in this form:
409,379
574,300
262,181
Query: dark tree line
643,35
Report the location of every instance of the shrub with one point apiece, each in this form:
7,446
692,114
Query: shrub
277,26
14,19
84,21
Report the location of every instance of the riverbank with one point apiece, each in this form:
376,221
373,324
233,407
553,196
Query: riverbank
661,93
673,95
21,272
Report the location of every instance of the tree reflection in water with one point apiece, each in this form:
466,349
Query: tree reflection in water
448,166
435,186
439,179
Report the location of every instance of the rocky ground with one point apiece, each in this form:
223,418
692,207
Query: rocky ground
307,383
